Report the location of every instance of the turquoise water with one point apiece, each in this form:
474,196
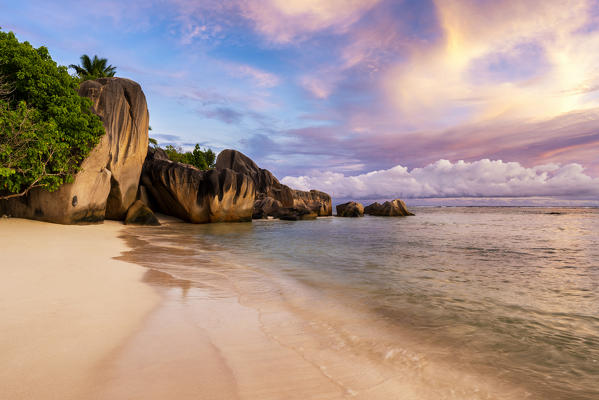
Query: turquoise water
508,292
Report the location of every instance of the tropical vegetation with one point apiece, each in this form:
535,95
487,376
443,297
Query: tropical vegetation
93,68
201,159
46,128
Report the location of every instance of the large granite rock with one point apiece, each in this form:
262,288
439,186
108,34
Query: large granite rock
264,181
266,207
140,214
106,185
394,208
350,209
121,104
294,214
317,201
80,202
272,197
216,195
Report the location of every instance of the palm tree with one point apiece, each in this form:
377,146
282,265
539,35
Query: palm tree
93,69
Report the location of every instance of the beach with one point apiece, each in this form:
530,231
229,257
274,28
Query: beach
66,306
236,311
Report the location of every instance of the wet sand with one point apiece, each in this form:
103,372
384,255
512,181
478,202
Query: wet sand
227,331
65,306
78,324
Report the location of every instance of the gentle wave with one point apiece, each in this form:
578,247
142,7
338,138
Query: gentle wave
508,292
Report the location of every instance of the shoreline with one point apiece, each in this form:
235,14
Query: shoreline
266,338
66,305
160,312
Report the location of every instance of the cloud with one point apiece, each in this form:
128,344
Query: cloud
319,88
259,77
443,179
224,114
283,21
507,59
569,138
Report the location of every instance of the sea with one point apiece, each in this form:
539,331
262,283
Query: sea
448,298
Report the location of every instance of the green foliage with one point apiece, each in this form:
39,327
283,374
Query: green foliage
202,159
46,128
153,142
93,68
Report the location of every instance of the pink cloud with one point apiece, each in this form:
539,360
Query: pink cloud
282,21
442,179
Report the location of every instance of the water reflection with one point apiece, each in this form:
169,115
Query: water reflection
509,291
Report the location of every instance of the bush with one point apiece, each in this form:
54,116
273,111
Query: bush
46,128
202,159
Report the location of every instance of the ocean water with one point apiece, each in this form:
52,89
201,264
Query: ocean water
509,296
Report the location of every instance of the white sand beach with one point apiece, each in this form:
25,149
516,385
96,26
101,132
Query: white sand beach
65,304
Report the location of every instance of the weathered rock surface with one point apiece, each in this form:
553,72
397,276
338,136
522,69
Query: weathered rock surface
140,214
264,181
216,195
350,209
106,186
272,197
394,208
82,201
266,207
317,201
294,214
121,104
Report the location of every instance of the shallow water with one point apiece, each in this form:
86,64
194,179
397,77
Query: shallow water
505,301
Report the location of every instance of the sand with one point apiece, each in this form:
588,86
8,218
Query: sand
79,324
65,306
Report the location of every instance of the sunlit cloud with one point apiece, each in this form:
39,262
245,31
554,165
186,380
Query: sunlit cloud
442,179
319,88
259,77
496,59
283,21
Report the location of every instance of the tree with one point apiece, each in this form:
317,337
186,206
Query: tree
46,128
25,158
202,159
93,68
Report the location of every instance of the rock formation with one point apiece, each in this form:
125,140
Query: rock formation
264,181
121,105
272,197
395,208
216,195
140,214
317,201
266,207
350,209
294,214
106,185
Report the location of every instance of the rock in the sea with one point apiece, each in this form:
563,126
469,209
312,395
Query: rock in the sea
266,207
295,214
350,209
106,185
140,214
183,191
272,197
317,201
394,208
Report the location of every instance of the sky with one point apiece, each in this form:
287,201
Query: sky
436,102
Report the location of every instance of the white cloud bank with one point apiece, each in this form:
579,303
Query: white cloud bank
443,179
